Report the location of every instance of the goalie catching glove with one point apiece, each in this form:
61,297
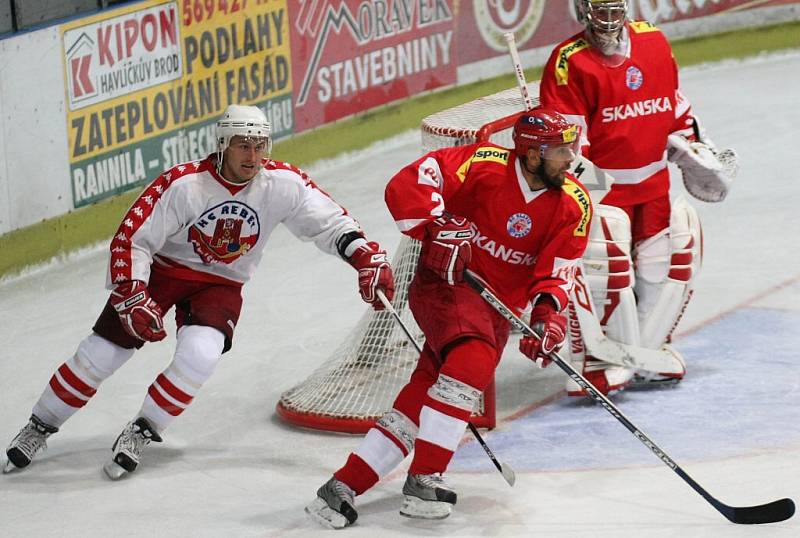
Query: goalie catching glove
707,174
140,315
553,328
447,250
374,273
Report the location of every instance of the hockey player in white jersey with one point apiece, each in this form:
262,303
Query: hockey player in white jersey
191,240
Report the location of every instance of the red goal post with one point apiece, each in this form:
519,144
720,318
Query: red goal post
357,384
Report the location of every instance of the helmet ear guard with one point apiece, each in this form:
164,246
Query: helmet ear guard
240,120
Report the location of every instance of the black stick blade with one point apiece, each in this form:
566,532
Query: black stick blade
766,513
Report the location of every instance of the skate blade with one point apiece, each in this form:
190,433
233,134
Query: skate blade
421,509
10,468
326,516
113,470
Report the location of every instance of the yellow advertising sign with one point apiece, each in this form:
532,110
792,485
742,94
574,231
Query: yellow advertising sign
144,70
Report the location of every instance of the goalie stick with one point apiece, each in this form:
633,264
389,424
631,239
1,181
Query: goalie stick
504,468
772,512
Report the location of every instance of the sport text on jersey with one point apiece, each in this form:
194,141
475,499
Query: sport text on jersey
562,65
225,232
646,107
482,154
491,154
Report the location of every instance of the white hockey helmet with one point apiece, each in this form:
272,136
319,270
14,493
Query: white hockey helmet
602,16
241,120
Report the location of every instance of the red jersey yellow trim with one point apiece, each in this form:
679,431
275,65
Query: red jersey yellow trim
483,154
641,27
562,64
581,197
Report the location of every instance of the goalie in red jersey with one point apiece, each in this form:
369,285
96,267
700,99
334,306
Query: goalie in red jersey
519,221
618,81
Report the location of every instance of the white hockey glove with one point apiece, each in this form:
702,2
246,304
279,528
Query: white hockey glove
707,174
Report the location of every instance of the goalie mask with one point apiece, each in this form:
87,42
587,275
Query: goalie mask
246,121
548,132
605,26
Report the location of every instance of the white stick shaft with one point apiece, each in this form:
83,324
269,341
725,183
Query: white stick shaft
517,63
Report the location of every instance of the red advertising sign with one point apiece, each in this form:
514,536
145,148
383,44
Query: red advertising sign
352,55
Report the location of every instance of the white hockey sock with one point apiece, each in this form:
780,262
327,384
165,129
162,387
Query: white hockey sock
77,380
197,354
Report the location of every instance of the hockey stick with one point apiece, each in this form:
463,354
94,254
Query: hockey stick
764,513
504,468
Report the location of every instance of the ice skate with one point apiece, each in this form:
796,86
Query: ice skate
128,448
334,506
427,496
29,441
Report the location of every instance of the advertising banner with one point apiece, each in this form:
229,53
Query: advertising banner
352,55
145,84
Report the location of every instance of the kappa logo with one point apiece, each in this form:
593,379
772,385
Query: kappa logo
225,232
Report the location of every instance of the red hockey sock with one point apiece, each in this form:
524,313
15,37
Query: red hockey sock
357,474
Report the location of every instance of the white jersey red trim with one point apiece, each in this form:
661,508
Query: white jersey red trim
194,225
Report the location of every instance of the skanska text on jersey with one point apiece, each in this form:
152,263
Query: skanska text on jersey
500,251
647,107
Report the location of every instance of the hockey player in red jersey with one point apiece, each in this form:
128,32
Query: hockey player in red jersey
618,81
191,240
520,222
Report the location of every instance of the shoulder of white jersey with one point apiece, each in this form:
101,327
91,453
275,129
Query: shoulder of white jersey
580,202
182,171
564,53
271,165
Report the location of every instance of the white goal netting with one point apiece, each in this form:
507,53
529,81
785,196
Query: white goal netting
357,384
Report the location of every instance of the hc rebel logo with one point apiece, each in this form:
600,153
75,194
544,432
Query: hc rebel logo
225,232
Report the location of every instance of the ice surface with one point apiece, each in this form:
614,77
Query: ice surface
228,467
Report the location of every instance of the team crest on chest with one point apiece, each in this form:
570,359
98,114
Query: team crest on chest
519,225
634,78
225,232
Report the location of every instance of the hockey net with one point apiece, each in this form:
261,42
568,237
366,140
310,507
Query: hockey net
357,384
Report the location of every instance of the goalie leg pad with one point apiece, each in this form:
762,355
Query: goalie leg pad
609,274
585,332
667,264
606,278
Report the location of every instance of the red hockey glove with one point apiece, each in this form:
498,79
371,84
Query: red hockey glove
447,250
140,315
553,328
374,273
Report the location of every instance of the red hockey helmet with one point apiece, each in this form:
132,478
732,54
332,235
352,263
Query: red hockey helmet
546,130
